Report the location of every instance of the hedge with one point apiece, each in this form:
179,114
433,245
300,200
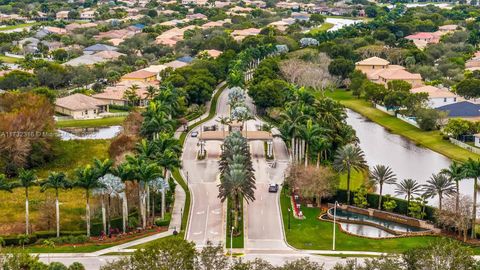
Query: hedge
115,223
12,240
372,199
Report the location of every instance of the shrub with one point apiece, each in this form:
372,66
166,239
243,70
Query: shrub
76,266
57,266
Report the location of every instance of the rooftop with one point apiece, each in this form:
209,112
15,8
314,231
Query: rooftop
77,102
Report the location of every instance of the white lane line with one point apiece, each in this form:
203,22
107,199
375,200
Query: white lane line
216,212
214,232
200,212
197,233
206,223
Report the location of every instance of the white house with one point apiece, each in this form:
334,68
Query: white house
437,97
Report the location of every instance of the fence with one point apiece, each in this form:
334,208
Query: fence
407,119
465,146
384,109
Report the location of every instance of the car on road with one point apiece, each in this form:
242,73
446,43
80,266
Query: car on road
273,188
194,134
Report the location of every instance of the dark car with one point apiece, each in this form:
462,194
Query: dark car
194,134
273,188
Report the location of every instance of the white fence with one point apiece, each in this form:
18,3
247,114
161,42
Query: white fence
384,109
465,146
408,120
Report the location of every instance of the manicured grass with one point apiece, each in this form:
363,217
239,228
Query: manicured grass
356,180
313,234
69,249
238,241
8,59
11,27
429,139
322,28
100,122
71,154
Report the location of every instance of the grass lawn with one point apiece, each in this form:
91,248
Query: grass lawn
322,28
71,154
238,241
313,234
8,59
429,139
356,180
69,249
100,122
11,27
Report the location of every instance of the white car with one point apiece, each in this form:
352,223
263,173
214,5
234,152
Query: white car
194,134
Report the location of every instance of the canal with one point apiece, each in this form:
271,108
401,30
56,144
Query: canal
405,158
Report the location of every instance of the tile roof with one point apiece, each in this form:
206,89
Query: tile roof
77,102
139,74
433,92
373,61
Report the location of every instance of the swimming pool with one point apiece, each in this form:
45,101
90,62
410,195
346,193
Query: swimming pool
365,230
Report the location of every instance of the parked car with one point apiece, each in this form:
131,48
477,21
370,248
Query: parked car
273,188
194,134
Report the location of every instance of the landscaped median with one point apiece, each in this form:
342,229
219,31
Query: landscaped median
238,239
313,234
429,139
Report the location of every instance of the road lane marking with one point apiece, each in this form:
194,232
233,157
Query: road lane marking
197,233
214,232
200,212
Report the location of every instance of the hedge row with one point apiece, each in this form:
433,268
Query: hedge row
372,198
12,240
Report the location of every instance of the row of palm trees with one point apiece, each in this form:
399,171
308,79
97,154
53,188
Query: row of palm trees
314,128
443,184
237,179
148,169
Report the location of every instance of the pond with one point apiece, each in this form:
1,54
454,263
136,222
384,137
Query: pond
96,133
405,158
365,230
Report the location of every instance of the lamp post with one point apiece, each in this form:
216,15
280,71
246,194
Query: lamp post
231,244
289,210
334,223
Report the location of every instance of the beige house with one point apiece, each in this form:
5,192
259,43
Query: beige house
80,106
379,70
62,15
140,76
115,95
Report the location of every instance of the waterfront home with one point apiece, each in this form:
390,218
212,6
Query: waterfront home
463,109
115,95
437,97
80,106
380,71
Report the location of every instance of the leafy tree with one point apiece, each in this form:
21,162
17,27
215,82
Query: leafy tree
469,88
428,119
341,67
18,79
389,204
360,198
457,127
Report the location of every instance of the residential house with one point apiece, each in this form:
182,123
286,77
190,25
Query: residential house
288,5
62,15
108,55
255,3
176,64
448,28
194,2
85,60
115,95
211,53
98,48
239,35
422,39
71,27
437,97
221,4
196,16
80,106
379,70
28,45
300,16
157,69
140,75
87,14
464,109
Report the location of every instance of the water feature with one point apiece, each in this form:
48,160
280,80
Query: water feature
398,227
96,133
405,158
365,230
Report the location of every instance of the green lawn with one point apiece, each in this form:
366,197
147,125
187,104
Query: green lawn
313,234
8,59
69,249
11,27
70,155
100,122
356,180
238,241
322,28
429,139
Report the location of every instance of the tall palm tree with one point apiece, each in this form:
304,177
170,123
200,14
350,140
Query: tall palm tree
381,175
292,121
408,187
87,178
224,120
126,173
347,158
472,170
309,133
152,92
439,185
56,181
321,144
26,179
456,173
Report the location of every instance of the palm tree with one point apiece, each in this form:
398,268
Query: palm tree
56,181
27,178
152,92
440,185
456,173
408,187
224,120
131,94
321,144
381,175
292,121
347,158
87,178
126,173
472,170
309,134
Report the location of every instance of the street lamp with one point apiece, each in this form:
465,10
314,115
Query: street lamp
334,223
231,244
289,210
